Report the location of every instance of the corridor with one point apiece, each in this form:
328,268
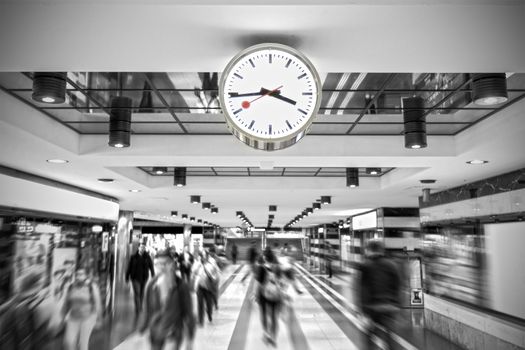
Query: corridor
323,317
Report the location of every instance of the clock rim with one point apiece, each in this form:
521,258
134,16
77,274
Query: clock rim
256,141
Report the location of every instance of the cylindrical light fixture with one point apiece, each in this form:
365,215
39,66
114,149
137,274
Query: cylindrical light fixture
326,199
159,170
120,122
214,210
271,216
179,177
195,199
238,214
184,216
272,208
206,205
199,221
309,211
192,218
352,177
49,87
489,89
415,125
174,213
316,206
373,171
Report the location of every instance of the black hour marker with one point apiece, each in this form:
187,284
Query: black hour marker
251,124
288,63
270,58
303,112
301,76
307,93
269,129
238,76
251,62
288,123
237,111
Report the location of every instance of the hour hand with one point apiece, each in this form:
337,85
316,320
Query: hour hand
277,95
236,94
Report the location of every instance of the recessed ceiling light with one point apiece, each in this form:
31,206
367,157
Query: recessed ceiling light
134,191
57,161
477,161
118,145
105,180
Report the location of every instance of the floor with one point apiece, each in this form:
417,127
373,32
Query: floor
323,317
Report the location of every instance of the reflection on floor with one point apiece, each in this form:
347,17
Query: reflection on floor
323,317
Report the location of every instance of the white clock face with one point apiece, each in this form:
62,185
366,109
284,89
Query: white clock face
271,93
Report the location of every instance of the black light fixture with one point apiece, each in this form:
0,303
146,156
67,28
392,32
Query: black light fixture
352,177
373,171
489,88
174,213
214,210
184,216
49,87
159,170
309,211
195,199
415,125
271,216
199,221
426,195
120,122
238,214
179,177
326,199
316,206
192,218
206,205
273,208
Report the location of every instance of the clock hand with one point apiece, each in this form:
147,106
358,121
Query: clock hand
236,94
246,104
278,95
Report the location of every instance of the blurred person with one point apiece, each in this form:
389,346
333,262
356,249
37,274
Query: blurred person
328,259
269,294
81,311
140,267
220,265
186,261
286,263
168,310
234,253
206,274
380,292
253,254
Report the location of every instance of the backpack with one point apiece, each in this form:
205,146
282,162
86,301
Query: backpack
271,289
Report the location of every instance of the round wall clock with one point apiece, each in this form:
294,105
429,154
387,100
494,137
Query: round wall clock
269,94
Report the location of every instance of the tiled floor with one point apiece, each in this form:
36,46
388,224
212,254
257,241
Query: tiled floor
323,317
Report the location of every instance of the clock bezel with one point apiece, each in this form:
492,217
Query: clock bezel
256,141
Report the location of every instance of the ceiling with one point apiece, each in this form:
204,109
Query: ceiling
177,121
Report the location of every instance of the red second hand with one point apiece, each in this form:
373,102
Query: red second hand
246,104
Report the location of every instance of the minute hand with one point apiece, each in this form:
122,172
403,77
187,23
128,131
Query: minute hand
277,95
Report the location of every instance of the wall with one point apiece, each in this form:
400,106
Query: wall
504,244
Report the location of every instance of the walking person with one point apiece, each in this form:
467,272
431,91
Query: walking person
269,295
328,259
206,276
81,310
253,254
168,311
380,292
186,261
140,267
234,253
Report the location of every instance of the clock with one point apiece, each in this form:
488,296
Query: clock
269,94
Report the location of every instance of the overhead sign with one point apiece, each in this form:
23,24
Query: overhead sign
364,221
